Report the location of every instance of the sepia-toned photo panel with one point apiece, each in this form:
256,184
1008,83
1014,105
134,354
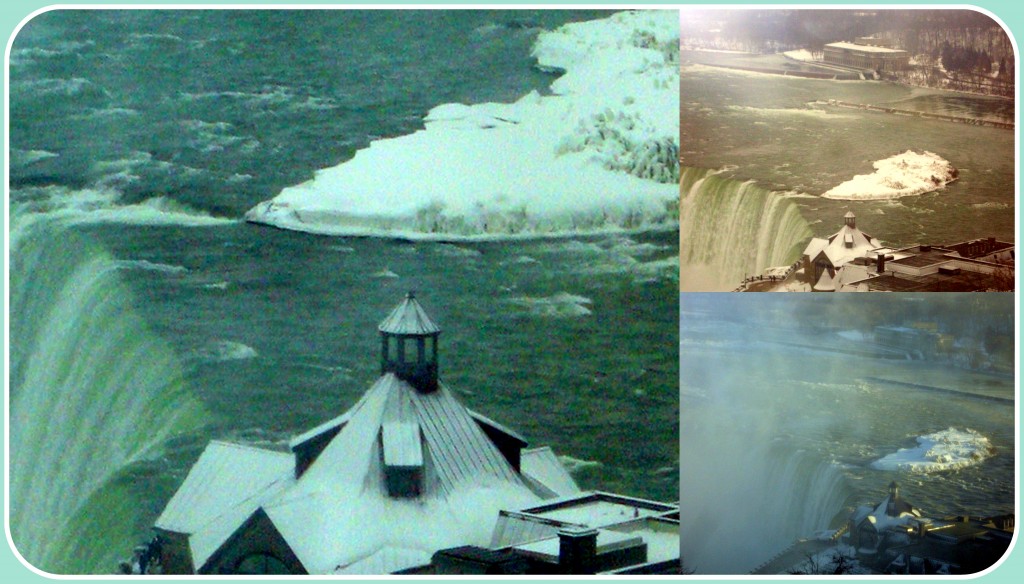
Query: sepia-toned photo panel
833,151
846,150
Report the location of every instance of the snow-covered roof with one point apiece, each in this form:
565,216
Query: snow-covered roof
541,465
402,444
847,244
339,511
224,476
338,516
587,509
850,276
386,560
482,419
328,426
223,488
516,528
409,318
825,283
815,246
607,541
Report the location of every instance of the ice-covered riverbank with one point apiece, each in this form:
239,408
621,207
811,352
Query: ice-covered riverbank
599,154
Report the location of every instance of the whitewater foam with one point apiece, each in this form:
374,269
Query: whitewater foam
384,273
102,204
560,305
150,266
807,112
600,155
575,465
22,158
222,350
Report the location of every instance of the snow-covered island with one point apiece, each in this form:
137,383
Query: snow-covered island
601,154
902,175
945,450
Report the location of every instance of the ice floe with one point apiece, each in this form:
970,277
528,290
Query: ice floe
902,175
945,450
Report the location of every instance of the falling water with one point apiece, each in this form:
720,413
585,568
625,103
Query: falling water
746,495
92,393
731,229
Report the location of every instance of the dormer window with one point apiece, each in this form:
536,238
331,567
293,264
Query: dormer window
402,454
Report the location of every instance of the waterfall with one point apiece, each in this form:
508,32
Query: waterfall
730,229
745,498
93,395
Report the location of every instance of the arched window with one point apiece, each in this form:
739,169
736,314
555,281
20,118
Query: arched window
261,563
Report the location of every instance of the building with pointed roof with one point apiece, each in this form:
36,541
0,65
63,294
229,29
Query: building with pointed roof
407,471
866,53
894,537
823,258
853,261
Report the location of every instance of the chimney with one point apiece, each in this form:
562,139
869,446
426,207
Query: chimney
577,550
880,264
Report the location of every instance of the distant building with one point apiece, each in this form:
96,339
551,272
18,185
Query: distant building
862,55
407,471
894,537
923,342
873,41
852,261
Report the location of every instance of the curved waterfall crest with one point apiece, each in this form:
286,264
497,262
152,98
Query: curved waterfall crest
92,391
732,228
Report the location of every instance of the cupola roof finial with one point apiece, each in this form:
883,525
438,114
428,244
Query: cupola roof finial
409,318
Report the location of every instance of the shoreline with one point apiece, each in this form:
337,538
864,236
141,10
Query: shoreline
826,77
418,237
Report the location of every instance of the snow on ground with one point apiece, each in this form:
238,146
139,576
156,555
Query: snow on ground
857,336
945,450
601,154
840,559
800,55
906,174
723,51
793,286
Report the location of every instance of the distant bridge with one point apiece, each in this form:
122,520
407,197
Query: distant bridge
919,114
